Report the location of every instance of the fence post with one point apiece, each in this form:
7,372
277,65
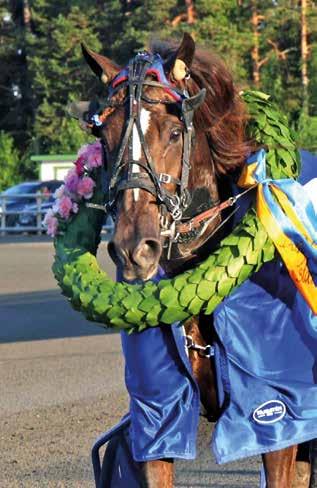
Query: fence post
3,215
38,214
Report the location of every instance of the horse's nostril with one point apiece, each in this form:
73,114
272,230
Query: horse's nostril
147,252
152,247
140,261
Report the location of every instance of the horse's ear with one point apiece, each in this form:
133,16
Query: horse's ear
183,58
103,67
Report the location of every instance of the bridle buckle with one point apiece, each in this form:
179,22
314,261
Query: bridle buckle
165,178
176,214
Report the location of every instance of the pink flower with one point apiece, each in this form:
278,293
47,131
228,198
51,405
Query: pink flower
71,181
92,153
75,207
80,165
51,223
85,187
82,150
59,192
64,207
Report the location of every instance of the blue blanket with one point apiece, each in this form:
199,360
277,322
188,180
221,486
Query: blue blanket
267,375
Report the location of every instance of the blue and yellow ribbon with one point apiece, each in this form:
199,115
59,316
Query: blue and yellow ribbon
288,216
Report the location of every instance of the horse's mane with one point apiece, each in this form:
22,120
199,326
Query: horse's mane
223,115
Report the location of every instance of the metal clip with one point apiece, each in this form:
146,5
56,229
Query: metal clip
176,214
204,351
173,237
96,120
232,201
97,207
173,207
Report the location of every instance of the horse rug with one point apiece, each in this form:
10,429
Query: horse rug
266,363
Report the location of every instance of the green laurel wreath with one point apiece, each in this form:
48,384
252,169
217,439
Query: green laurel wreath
136,307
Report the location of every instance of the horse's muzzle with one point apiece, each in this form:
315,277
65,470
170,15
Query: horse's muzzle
138,262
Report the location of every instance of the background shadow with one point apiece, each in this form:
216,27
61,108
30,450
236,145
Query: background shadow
42,315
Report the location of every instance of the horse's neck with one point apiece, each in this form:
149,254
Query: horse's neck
202,174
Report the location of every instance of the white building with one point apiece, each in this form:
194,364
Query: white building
55,166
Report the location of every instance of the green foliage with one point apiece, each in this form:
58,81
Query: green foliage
60,74
42,68
9,160
128,29
223,27
307,132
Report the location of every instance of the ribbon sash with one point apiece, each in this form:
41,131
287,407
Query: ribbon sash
288,216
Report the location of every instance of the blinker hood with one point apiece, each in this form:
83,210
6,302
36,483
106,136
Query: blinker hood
189,105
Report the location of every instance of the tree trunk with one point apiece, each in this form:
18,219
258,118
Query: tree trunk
26,15
255,53
190,11
189,16
304,54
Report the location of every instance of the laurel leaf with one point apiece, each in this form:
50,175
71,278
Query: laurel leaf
187,294
168,296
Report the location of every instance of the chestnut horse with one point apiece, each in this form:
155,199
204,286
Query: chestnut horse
172,140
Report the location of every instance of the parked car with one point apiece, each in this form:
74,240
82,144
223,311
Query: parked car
18,196
30,219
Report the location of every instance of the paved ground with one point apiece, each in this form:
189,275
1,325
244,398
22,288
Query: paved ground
62,383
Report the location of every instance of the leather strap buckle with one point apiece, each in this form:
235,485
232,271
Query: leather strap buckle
165,178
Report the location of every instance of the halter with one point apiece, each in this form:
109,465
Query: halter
179,227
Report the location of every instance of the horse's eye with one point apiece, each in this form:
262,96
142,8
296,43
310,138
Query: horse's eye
175,135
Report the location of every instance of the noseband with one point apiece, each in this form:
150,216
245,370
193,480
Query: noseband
174,225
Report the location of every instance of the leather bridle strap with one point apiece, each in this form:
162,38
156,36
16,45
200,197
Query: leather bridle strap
209,214
134,78
135,82
213,212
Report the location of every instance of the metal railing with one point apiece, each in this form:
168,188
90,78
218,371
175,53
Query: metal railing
36,200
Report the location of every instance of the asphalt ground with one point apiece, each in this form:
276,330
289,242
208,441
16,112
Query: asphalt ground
62,383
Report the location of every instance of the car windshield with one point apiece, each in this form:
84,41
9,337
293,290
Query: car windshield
21,189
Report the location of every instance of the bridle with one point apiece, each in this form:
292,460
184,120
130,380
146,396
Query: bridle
174,225
133,77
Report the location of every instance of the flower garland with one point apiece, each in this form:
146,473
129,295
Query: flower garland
78,187
135,307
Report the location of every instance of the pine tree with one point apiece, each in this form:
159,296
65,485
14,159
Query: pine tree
9,161
42,68
59,72
16,114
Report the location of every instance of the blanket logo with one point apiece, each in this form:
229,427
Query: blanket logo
269,412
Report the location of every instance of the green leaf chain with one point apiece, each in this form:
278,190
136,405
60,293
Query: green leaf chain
136,307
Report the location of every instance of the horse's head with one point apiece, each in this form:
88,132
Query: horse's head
161,153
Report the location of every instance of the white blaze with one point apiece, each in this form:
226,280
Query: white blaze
145,116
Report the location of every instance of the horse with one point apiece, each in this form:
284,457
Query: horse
169,159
